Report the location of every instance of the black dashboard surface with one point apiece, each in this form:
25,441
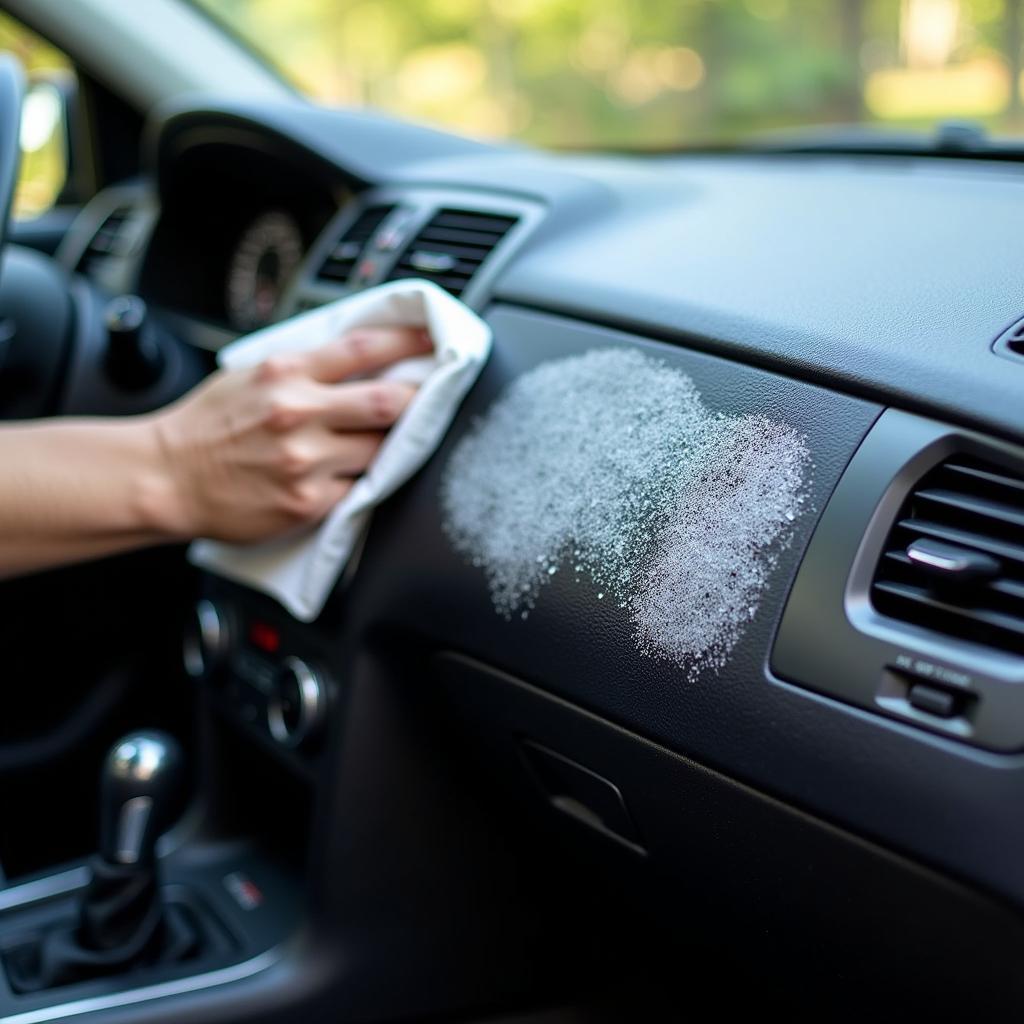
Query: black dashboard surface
878,778
815,290
887,277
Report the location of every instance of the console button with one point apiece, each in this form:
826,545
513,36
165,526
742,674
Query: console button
941,703
296,704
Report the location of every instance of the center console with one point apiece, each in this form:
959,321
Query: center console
220,897
262,671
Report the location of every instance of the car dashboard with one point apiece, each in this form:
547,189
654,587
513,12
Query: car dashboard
835,792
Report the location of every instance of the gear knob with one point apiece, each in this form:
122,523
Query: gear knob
140,794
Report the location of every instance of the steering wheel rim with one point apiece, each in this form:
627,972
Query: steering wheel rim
12,92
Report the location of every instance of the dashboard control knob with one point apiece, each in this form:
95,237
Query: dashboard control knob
207,639
297,703
134,359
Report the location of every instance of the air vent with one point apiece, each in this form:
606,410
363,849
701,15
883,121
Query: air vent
110,239
1011,341
341,261
451,248
954,561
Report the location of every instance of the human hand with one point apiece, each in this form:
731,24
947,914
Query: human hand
255,452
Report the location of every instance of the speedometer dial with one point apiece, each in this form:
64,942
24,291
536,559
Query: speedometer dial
267,255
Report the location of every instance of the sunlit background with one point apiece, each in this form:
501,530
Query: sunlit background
648,72
625,73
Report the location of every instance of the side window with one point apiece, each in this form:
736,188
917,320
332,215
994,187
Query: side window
44,156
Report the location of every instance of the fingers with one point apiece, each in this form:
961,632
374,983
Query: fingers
308,501
319,453
365,405
366,350
318,469
314,431
349,455
355,405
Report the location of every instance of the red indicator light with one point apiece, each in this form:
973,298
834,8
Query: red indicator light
265,637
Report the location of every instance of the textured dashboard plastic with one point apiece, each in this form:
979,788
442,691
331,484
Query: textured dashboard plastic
890,277
751,881
886,278
937,799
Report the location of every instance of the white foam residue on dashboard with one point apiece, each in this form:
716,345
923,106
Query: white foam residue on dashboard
608,465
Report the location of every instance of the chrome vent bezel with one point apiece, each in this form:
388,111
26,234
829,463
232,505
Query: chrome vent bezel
832,638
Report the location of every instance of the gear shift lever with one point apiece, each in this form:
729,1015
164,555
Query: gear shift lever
140,785
122,921
142,781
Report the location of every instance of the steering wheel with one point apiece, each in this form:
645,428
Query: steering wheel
36,316
53,335
12,92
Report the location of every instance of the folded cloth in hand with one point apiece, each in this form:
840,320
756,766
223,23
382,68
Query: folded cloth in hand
300,569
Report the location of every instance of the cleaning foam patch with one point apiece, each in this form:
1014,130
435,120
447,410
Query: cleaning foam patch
609,466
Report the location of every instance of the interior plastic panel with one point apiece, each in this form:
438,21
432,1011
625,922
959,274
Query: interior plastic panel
832,639
886,277
881,778
769,820
744,879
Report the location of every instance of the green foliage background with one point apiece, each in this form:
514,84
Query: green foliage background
620,73
571,72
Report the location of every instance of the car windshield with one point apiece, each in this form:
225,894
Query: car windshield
649,73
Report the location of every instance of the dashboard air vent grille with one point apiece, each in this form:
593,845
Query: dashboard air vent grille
341,261
1011,341
954,561
451,247
109,240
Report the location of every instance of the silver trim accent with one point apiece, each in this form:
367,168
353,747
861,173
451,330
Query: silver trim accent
131,827
310,705
179,986
44,888
432,262
948,564
205,640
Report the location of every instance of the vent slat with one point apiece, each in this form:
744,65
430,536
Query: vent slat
988,476
973,505
920,595
1004,592
974,510
455,285
1010,588
451,247
462,252
428,258
999,548
485,240
473,221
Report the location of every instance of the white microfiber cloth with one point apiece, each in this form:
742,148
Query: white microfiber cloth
300,570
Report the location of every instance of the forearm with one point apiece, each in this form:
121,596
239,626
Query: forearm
245,456
74,489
